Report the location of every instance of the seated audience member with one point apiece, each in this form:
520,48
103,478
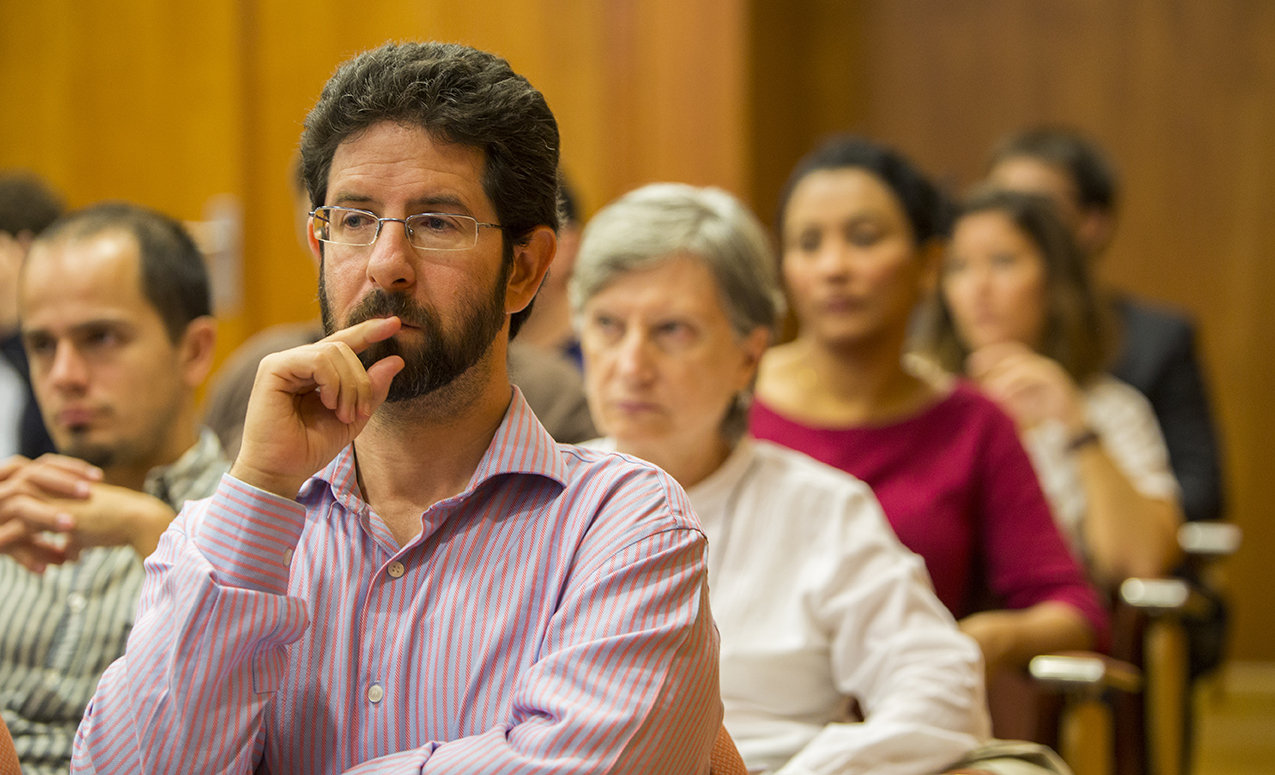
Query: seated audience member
817,603
1156,350
862,234
27,207
1016,312
403,571
550,383
116,322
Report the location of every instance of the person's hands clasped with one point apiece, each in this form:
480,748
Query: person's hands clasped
36,497
1029,386
309,402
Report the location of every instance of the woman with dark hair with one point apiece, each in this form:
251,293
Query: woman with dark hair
861,235
1017,313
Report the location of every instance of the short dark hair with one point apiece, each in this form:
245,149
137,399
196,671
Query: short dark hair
1070,150
174,278
1077,330
459,95
26,204
928,210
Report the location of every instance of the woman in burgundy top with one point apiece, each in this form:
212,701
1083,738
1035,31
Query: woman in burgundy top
861,236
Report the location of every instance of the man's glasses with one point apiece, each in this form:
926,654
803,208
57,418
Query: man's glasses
427,231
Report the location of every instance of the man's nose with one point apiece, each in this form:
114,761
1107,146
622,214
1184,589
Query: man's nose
68,368
391,265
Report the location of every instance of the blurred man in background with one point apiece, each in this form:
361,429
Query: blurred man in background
116,322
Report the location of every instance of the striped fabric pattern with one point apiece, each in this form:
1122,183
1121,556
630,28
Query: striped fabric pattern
63,628
551,618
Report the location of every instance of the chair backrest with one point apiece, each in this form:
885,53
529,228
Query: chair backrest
9,756
725,758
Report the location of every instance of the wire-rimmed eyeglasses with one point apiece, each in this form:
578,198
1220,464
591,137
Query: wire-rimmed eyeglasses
426,231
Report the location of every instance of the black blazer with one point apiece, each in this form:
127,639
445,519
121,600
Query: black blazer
1157,356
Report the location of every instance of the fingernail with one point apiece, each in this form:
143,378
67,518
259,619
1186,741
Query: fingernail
65,521
83,489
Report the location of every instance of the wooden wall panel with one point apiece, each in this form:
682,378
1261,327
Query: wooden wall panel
174,105
136,100
1183,95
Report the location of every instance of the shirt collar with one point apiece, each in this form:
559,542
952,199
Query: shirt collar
520,446
169,483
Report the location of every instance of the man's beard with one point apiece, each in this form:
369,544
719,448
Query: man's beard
439,359
99,455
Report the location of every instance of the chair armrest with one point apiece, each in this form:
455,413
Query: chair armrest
1209,539
1085,672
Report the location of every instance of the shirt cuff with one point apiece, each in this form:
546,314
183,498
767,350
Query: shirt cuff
248,536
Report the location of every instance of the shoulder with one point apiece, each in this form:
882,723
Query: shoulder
801,476
967,411
619,487
1145,323
1107,394
790,505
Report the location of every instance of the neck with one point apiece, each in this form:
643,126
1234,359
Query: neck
866,381
688,463
415,453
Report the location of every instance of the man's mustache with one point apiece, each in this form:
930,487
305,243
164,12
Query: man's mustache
379,304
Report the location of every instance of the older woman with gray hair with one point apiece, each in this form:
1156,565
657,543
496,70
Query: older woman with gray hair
820,608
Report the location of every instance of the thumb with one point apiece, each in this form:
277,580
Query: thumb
381,374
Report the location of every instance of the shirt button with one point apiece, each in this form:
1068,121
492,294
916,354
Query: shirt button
375,693
76,602
396,569
287,556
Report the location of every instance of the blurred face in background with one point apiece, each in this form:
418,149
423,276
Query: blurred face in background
109,380
850,262
994,281
662,361
1030,175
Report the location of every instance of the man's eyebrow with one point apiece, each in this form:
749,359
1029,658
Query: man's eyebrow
82,327
450,203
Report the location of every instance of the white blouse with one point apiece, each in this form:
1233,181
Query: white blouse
817,602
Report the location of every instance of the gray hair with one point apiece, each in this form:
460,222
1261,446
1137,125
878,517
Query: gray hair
662,221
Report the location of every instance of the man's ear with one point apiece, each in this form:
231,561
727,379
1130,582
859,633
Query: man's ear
532,256
196,349
316,247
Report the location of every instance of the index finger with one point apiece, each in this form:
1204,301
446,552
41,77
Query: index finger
71,465
360,335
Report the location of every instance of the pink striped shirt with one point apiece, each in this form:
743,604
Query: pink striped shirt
553,617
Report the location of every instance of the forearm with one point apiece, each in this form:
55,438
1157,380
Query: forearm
1010,638
201,665
1125,532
